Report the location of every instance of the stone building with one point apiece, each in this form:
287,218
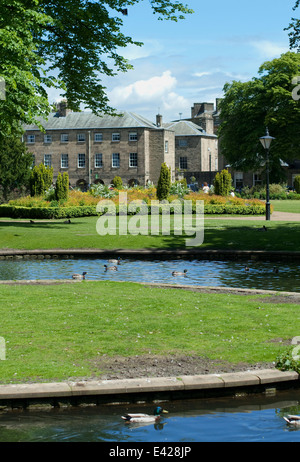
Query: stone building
95,149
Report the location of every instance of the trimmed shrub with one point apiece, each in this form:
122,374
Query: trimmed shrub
117,182
297,184
222,183
164,182
40,180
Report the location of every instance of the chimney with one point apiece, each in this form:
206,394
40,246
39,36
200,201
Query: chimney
62,108
159,120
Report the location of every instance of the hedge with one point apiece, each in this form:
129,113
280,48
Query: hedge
14,211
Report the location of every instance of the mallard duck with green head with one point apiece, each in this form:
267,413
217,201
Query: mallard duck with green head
145,418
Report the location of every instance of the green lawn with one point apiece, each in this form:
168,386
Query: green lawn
59,332
222,233
289,206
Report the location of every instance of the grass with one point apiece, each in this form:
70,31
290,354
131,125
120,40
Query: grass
222,233
59,332
290,206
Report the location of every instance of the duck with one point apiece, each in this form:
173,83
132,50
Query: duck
145,418
179,273
263,228
116,261
111,268
275,270
247,268
293,420
79,276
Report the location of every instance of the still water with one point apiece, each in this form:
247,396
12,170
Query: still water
200,272
253,419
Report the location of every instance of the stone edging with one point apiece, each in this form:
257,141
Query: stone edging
109,389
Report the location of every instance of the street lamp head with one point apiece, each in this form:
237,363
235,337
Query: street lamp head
266,140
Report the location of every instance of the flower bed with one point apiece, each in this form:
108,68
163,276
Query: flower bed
84,204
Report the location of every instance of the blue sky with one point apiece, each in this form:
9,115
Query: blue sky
190,60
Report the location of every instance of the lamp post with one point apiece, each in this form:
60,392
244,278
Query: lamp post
266,142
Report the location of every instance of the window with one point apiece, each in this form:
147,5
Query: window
64,161
98,137
116,160
166,146
64,137
182,143
115,137
256,179
47,139
98,161
47,160
238,180
30,138
80,137
133,136
81,160
183,163
133,162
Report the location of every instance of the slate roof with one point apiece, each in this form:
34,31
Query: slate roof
186,128
88,120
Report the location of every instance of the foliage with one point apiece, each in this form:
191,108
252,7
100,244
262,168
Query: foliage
222,183
41,179
294,27
100,190
164,182
297,184
62,187
249,107
179,188
13,152
80,40
285,361
117,182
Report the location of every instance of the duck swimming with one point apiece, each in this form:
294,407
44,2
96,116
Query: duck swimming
79,276
293,420
115,261
179,273
111,268
145,418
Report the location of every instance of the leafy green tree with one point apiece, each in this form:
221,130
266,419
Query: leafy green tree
249,107
41,179
78,39
15,164
294,28
164,182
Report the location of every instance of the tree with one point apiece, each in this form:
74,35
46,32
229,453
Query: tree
77,39
294,27
164,182
222,183
41,179
13,152
249,107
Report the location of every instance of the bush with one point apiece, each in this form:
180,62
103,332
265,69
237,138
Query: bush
41,179
117,182
222,183
62,187
164,182
297,184
286,362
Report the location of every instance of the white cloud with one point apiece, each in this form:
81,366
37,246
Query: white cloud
269,50
143,90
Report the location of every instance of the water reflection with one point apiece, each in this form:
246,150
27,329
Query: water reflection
222,419
200,272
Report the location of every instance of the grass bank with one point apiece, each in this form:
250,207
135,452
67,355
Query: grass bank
59,332
222,233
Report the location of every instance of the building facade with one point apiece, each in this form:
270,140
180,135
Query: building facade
95,149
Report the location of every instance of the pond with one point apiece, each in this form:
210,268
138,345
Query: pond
251,419
227,273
